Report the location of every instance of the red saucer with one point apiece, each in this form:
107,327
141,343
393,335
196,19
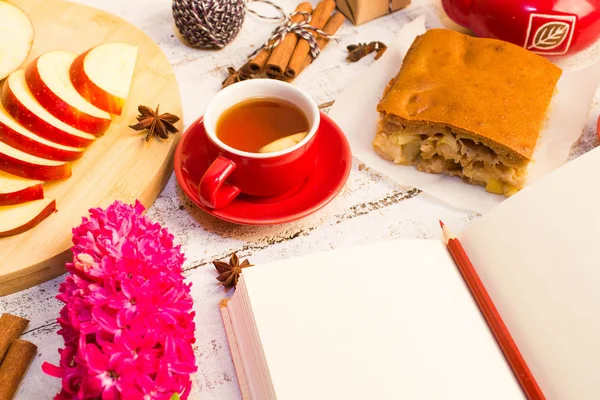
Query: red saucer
330,173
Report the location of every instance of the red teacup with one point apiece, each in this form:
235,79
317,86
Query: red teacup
256,174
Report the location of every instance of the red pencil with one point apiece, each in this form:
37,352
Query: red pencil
492,317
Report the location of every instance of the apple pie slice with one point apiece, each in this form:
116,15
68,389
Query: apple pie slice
466,107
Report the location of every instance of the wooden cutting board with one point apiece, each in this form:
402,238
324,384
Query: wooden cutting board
118,166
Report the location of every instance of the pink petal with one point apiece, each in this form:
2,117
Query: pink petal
52,370
145,383
170,346
183,369
105,320
117,360
96,361
110,393
91,386
70,383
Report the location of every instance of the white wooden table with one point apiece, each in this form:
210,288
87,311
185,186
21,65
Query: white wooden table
370,208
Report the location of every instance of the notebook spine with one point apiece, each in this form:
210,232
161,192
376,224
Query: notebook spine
235,352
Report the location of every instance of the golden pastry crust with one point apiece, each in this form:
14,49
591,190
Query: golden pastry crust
492,91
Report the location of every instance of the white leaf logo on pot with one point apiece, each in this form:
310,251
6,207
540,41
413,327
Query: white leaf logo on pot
550,35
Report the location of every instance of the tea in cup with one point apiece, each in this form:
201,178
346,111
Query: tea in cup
262,141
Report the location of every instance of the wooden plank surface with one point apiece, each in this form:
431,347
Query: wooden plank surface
370,208
118,166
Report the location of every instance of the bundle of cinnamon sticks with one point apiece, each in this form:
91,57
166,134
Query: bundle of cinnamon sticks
292,55
15,354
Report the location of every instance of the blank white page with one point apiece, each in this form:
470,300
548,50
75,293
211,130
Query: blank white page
385,321
538,254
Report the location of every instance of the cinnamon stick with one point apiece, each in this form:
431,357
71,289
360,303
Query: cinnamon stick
13,367
11,328
320,16
281,54
331,27
257,64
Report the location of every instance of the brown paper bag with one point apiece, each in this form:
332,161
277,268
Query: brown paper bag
361,11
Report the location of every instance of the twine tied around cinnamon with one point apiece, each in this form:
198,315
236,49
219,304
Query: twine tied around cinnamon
302,29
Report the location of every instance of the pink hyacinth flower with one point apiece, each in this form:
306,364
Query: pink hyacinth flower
127,322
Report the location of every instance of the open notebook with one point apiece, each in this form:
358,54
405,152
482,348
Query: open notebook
394,320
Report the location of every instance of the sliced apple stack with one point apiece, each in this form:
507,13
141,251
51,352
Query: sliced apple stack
20,103
15,135
22,204
49,81
20,163
49,114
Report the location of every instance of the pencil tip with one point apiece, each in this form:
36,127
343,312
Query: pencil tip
441,223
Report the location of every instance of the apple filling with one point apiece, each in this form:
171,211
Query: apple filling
442,151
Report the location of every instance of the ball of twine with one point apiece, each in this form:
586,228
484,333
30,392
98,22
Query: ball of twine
209,24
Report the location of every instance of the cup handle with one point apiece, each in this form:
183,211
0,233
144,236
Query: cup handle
214,191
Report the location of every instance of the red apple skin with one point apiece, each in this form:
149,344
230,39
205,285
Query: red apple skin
30,146
46,212
37,125
91,92
33,171
31,193
59,108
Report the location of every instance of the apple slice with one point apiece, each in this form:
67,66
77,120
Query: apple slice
17,190
16,38
48,80
24,108
22,217
25,165
14,135
103,75
283,143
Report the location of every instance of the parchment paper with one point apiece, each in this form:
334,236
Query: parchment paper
355,112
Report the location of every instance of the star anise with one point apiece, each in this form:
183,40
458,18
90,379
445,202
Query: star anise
358,51
237,76
229,273
158,125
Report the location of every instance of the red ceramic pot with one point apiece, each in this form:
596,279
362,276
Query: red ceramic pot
547,27
256,174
